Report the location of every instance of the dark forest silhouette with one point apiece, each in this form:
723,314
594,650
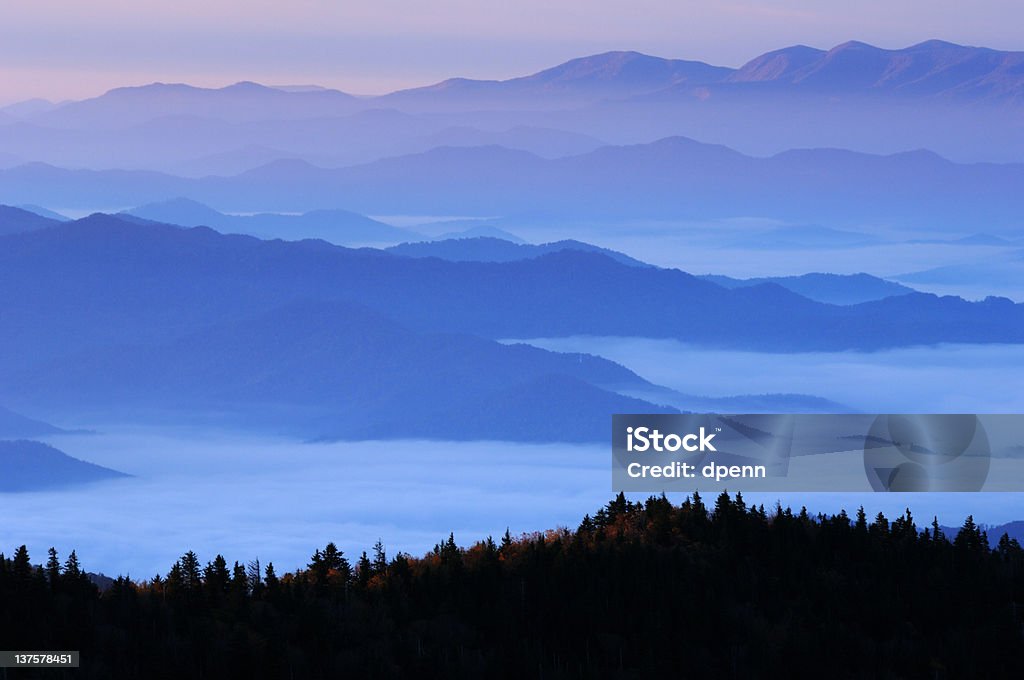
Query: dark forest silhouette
638,589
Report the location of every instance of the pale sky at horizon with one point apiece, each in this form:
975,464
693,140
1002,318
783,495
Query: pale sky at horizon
61,49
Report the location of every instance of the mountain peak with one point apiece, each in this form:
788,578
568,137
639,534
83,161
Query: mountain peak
929,68
854,45
776,64
626,70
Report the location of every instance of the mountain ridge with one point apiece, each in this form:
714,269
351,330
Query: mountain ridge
27,466
673,177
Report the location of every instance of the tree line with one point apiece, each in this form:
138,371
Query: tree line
637,589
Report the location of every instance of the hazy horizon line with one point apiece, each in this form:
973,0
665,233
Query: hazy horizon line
223,82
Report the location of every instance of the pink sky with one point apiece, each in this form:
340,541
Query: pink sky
61,49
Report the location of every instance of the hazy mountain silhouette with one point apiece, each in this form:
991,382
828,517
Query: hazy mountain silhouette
480,229
134,316
243,101
587,79
104,280
740,403
960,101
44,212
332,369
34,466
27,107
16,426
670,178
837,289
544,142
931,68
336,226
488,249
17,220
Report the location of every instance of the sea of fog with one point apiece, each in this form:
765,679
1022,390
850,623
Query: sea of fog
278,500
951,378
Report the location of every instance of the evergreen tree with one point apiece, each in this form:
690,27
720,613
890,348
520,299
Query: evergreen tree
216,577
861,525
506,542
22,565
52,567
380,558
970,537
191,576
270,578
363,570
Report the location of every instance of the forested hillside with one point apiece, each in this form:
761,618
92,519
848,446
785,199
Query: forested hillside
637,590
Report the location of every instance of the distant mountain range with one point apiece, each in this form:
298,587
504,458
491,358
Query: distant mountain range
490,249
934,68
673,178
240,102
583,80
850,289
337,226
333,369
959,101
133,317
119,281
837,289
34,466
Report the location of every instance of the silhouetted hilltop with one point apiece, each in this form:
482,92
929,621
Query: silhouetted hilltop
336,226
17,220
337,370
17,426
582,80
489,249
931,68
837,289
240,102
33,466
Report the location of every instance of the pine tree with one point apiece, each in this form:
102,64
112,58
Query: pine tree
1009,548
334,561
699,509
72,569
380,558
506,542
270,578
363,569
52,566
191,576
216,577
239,581
970,538
880,527
22,565
175,583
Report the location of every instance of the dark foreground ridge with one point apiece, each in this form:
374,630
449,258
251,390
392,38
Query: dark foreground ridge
638,590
